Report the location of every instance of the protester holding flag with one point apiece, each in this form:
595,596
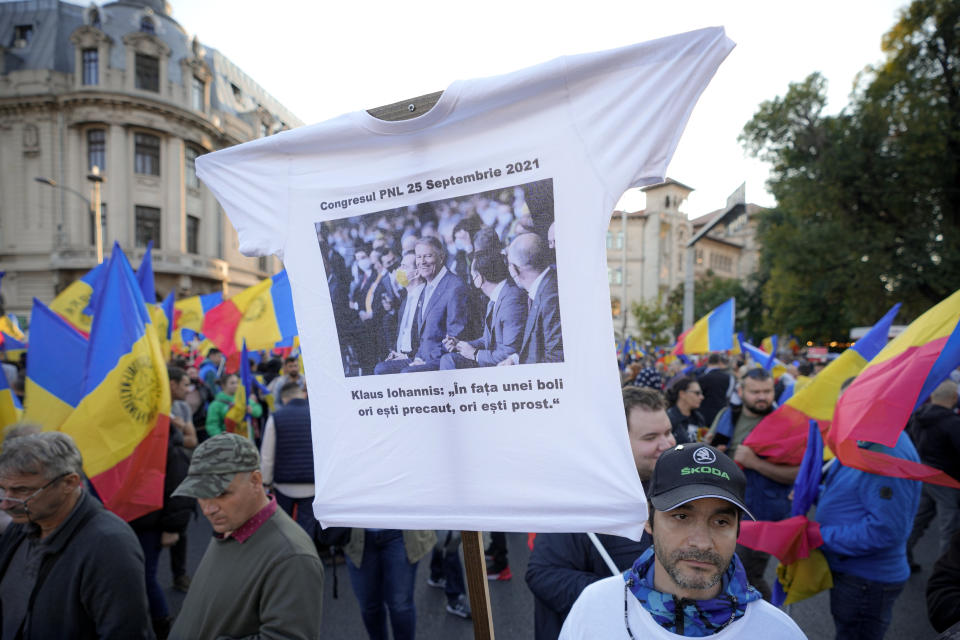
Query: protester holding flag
225,401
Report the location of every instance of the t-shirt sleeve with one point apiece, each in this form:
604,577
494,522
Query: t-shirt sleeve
251,183
630,105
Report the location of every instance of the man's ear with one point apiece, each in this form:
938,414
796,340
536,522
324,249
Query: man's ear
648,525
256,478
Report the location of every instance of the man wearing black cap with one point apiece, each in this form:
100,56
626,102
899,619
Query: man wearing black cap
690,582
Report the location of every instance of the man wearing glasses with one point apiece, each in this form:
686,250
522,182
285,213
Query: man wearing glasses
690,582
68,566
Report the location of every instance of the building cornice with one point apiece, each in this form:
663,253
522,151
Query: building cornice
21,105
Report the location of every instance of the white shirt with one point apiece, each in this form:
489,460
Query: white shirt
569,136
404,335
536,284
598,613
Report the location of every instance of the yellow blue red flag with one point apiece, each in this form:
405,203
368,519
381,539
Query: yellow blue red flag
55,368
712,332
122,424
261,315
73,303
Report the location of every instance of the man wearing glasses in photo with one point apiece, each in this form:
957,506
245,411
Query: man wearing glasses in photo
68,566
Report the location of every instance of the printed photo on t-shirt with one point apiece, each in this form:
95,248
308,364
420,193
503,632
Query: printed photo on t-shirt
458,283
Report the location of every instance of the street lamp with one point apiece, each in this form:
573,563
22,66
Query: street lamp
96,179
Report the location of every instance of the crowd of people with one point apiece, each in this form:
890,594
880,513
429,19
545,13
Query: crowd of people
70,568
461,283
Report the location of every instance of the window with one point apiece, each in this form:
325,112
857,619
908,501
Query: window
196,93
146,154
148,226
190,160
147,25
91,66
609,239
147,72
103,225
262,263
720,262
96,149
237,94
22,35
614,276
94,17
619,239
193,233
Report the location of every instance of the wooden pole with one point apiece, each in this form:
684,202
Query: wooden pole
475,563
476,568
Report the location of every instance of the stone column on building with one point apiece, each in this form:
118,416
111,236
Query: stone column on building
172,216
118,187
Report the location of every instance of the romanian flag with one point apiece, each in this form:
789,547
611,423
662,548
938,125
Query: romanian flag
58,354
10,326
10,408
188,315
793,541
12,348
261,315
123,422
781,437
713,332
763,358
145,276
877,406
73,303
235,421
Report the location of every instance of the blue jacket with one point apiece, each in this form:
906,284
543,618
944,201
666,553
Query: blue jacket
865,519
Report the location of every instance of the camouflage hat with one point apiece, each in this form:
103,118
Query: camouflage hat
215,463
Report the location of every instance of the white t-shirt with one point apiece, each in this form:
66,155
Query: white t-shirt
598,613
439,449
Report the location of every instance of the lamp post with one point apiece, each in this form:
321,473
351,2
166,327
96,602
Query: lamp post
94,207
96,179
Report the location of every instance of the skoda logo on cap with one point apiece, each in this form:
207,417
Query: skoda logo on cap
704,455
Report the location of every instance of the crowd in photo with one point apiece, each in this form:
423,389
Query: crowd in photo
453,284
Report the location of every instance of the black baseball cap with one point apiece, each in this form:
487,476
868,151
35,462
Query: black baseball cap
692,471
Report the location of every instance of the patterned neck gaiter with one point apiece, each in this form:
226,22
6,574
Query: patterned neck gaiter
691,618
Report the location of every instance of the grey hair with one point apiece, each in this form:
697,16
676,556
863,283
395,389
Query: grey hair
49,453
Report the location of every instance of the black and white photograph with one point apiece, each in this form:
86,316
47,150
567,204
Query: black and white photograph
458,283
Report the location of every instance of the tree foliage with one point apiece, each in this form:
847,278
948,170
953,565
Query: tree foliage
868,199
654,321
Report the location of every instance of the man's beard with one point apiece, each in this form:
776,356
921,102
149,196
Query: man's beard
757,411
696,582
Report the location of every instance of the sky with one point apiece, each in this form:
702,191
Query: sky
322,59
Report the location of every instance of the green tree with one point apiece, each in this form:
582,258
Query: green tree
654,321
868,200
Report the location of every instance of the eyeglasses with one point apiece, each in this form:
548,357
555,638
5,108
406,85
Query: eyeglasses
698,392
5,494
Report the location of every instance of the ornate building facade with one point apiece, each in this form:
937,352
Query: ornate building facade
646,249
122,88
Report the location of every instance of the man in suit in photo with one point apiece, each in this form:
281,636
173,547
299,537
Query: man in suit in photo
440,312
528,259
503,320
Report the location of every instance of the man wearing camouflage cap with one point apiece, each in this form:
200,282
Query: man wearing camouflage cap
260,575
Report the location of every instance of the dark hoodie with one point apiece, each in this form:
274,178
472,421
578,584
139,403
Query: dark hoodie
936,433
